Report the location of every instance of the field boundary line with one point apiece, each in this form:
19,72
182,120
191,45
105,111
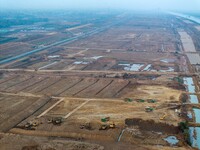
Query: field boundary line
50,108
74,110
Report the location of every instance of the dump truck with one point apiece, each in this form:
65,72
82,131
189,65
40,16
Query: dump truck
112,125
149,109
57,121
107,126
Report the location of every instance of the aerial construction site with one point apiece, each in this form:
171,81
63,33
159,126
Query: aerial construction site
99,81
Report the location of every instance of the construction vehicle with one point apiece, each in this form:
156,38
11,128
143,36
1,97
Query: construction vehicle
35,124
163,117
128,100
107,126
112,125
141,100
56,121
152,101
149,109
103,127
49,121
86,126
27,125
32,125
106,119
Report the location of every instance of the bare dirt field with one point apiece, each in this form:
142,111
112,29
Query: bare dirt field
119,88
12,107
135,38
65,86
78,111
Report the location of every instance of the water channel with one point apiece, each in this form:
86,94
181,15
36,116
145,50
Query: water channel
194,131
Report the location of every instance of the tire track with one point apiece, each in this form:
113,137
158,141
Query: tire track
118,92
19,83
32,85
86,87
46,87
70,87
11,78
104,87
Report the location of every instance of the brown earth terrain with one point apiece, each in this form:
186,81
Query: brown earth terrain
120,88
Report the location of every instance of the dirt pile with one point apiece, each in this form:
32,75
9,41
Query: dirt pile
176,85
151,125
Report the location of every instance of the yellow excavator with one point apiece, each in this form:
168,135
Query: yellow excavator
107,126
163,117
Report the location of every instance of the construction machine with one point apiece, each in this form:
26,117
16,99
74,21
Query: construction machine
55,121
112,125
107,126
163,117
103,127
106,119
149,109
86,126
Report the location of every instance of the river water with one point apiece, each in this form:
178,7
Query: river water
195,19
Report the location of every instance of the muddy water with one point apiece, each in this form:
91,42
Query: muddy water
193,131
193,99
197,114
133,67
170,69
188,81
172,140
147,68
120,136
195,136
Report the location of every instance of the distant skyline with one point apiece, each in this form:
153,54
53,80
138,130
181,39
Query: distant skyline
187,5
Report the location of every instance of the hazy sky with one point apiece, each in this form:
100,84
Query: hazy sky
124,4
